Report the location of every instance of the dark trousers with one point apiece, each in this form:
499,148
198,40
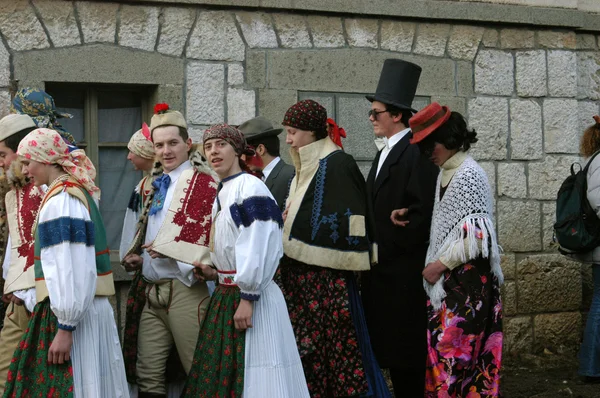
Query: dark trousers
408,382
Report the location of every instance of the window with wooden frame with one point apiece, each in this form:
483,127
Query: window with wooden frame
104,119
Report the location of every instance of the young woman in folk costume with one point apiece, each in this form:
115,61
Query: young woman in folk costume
246,344
324,242
462,275
72,345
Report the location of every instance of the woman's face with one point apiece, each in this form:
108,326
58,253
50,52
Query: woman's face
38,172
297,138
440,154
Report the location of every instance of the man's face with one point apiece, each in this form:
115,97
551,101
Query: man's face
7,156
171,150
384,124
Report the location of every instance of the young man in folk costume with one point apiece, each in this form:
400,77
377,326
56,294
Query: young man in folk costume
21,203
400,178
277,174
173,233
71,346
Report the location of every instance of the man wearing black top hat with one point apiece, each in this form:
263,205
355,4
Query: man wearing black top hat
259,133
400,178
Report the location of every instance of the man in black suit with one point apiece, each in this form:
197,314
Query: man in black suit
400,178
259,133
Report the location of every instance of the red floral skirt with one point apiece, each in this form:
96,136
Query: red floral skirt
464,337
319,307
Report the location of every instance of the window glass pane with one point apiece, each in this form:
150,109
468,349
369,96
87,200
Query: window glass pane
119,115
70,99
117,180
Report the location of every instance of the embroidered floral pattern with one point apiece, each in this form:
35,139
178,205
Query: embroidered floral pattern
464,337
256,208
29,199
319,307
29,374
218,366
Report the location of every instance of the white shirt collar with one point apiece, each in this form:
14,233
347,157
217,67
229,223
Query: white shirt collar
393,140
269,168
174,174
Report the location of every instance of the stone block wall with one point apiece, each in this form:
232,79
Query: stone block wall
528,91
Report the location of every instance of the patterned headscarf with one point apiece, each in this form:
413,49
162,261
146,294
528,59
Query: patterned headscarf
306,115
48,147
39,105
228,133
141,144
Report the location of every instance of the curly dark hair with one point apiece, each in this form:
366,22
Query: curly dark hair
453,134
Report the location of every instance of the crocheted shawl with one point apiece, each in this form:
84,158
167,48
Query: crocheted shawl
465,212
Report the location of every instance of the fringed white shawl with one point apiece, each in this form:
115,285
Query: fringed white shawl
466,208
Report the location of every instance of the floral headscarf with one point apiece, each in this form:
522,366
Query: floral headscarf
140,143
48,147
39,105
230,134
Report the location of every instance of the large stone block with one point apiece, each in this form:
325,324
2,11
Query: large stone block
320,71
98,21
552,39
586,42
21,27
490,38
509,298
489,116
588,75
464,42
362,32
517,38
235,74
352,115
397,36
509,266
4,66
518,335
494,72
558,333
215,37
273,104
241,105
585,113
562,73
519,225
205,93
5,102
256,68
292,30
587,286
327,32
531,73
545,177
464,78
548,220
456,104
548,283
490,171
196,132
526,137
257,28
172,94
512,181
431,39
138,27
174,30
59,20
560,126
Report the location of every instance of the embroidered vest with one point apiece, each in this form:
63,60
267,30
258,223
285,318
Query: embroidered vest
22,206
104,284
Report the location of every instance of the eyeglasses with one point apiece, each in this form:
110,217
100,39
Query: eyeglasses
373,113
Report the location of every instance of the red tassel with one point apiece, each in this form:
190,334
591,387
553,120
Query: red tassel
336,133
146,131
161,108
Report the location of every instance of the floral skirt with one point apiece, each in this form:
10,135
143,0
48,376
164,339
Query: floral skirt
29,374
464,337
319,306
218,366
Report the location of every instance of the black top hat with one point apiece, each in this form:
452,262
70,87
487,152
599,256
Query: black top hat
258,127
397,84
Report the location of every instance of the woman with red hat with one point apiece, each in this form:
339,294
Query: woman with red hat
462,275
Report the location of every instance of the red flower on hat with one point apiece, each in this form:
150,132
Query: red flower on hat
161,108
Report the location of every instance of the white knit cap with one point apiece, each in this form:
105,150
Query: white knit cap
14,123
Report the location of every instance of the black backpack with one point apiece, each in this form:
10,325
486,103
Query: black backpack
577,227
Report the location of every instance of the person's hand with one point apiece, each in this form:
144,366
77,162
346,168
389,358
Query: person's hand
151,252
398,217
243,315
7,298
60,348
132,262
434,271
205,272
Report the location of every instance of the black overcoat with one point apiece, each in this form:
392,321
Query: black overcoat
278,181
393,294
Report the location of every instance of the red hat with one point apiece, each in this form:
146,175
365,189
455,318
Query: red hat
427,120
